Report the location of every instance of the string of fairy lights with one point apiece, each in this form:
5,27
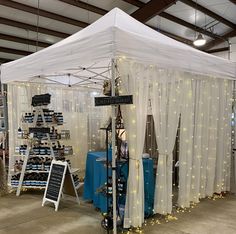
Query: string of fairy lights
204,144
212,112
79,113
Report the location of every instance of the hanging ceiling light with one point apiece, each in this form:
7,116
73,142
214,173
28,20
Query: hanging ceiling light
200,40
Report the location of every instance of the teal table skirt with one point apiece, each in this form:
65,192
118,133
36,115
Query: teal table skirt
96,176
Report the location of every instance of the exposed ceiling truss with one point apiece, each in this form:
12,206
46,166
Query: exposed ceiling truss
85,6
216,38
218,41
136,3
101,11
209,13
5,60
33,28
23,40
47,14
222,49
188,25
145,12
14,51
151,9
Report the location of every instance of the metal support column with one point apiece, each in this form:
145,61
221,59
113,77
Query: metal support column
113,68
234,129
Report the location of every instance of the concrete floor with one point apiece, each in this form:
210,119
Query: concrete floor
24,214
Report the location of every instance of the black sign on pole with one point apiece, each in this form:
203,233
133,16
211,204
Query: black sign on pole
115,100
39,130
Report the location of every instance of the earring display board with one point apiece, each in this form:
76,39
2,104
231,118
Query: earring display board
60,183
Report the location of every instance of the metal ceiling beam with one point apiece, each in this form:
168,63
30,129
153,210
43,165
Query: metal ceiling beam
101,11
217,41
187,24
218,50
43,13
46,31
136,3
178,38
14,51
85,6
209,13
179,21
33,28
151,9
23,40
62,35
233,1
4,60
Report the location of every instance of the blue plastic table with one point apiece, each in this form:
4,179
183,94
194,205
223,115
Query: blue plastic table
96,175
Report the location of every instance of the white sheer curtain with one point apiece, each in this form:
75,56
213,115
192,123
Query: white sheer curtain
204,105
197,134
81,117
205,138
135,81
197,157
165,97
223,152
208,143
186,142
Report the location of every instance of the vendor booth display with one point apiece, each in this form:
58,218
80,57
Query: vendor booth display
41,145
80,118
174,82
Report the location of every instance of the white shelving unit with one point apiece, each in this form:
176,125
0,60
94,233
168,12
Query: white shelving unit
38,111
29,187
79,185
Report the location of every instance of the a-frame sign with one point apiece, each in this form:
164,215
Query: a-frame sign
60,182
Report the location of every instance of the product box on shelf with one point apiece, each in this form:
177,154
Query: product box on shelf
68,150
65,134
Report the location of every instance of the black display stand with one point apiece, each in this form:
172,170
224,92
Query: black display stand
107,221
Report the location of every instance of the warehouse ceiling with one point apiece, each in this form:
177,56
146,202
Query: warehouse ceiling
27,26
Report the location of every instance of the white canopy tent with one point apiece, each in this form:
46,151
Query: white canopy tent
84,59
112,36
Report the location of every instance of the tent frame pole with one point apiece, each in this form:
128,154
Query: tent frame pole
113,78
233,158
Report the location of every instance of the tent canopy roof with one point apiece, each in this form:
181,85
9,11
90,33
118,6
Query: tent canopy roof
84,57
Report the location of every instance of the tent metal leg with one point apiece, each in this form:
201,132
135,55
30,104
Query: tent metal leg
234,135
114,147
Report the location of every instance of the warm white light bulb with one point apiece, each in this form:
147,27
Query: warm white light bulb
200,40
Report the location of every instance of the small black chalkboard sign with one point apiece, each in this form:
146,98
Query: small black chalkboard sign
55,182
60,181
41,100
